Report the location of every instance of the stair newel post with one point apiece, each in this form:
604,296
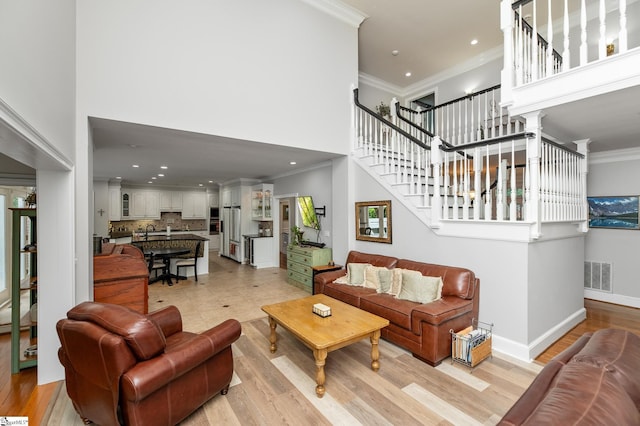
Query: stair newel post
513,186
465,187
455,185
532,207
436,162
583,148
500,187
477,184
354,120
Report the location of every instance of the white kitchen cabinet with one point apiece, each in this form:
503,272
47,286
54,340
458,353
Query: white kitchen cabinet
214,199
236,196
115,203
194,205
226,197
261,201
170,201
145,204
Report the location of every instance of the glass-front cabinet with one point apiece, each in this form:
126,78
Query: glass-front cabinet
261,201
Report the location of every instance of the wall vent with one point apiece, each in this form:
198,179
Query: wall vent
597,276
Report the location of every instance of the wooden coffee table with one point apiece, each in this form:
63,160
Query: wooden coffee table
346,325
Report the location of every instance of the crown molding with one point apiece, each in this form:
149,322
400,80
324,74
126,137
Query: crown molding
377,83
23,130
428,84
613,156
337,9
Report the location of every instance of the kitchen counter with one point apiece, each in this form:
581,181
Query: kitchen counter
171,237
257,236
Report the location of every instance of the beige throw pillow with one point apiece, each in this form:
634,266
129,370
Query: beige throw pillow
371,279
396,282
418,288
356,273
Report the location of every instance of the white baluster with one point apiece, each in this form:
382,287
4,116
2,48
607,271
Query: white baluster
622,35
477,184
583,34
514,188
533,42
550,58
455,185
499,192
445,195
602,42
436,162
488,196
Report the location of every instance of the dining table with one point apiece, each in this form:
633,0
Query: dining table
166,253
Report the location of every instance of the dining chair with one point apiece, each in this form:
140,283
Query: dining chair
190,262
155,265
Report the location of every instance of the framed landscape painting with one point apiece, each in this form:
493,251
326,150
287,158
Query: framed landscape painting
614,212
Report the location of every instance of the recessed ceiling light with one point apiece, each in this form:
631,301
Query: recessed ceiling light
133,146
199,184
160,174
118,177
164,167
293,163
153,178
474,42
135,166
407,74
150,182
395,52
210,181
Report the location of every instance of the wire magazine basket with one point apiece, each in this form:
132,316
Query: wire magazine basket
471,345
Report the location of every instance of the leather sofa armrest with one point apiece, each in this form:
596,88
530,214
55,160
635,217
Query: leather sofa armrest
148,376
326,277
169,320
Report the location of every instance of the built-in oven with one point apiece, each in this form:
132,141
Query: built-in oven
214,221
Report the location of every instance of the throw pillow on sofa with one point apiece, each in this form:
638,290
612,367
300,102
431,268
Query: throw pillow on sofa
418,288
396,282
356,273
378,278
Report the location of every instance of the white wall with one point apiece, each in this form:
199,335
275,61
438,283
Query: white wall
37,63
37,102
526,290
619,176
198,65
316,182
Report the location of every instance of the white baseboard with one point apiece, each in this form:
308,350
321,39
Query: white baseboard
618,299
529,352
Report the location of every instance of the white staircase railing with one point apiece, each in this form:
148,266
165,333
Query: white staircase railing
529,57
516,177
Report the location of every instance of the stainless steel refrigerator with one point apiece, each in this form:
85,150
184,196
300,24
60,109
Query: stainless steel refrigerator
231,233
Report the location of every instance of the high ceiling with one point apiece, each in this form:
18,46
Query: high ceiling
429,36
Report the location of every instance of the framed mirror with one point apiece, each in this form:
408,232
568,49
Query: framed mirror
373,221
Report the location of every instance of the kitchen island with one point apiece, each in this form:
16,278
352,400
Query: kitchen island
156,241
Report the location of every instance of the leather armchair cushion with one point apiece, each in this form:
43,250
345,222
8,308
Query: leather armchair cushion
142,335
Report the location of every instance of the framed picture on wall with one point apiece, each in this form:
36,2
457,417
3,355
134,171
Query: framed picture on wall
614,212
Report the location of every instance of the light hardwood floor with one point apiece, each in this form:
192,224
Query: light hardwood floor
232,290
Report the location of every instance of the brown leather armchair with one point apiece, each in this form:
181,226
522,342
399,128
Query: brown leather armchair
123,367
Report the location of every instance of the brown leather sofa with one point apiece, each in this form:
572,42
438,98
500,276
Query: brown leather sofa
422,329
593,382
124,367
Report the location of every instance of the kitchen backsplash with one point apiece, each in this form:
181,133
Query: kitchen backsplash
174,220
